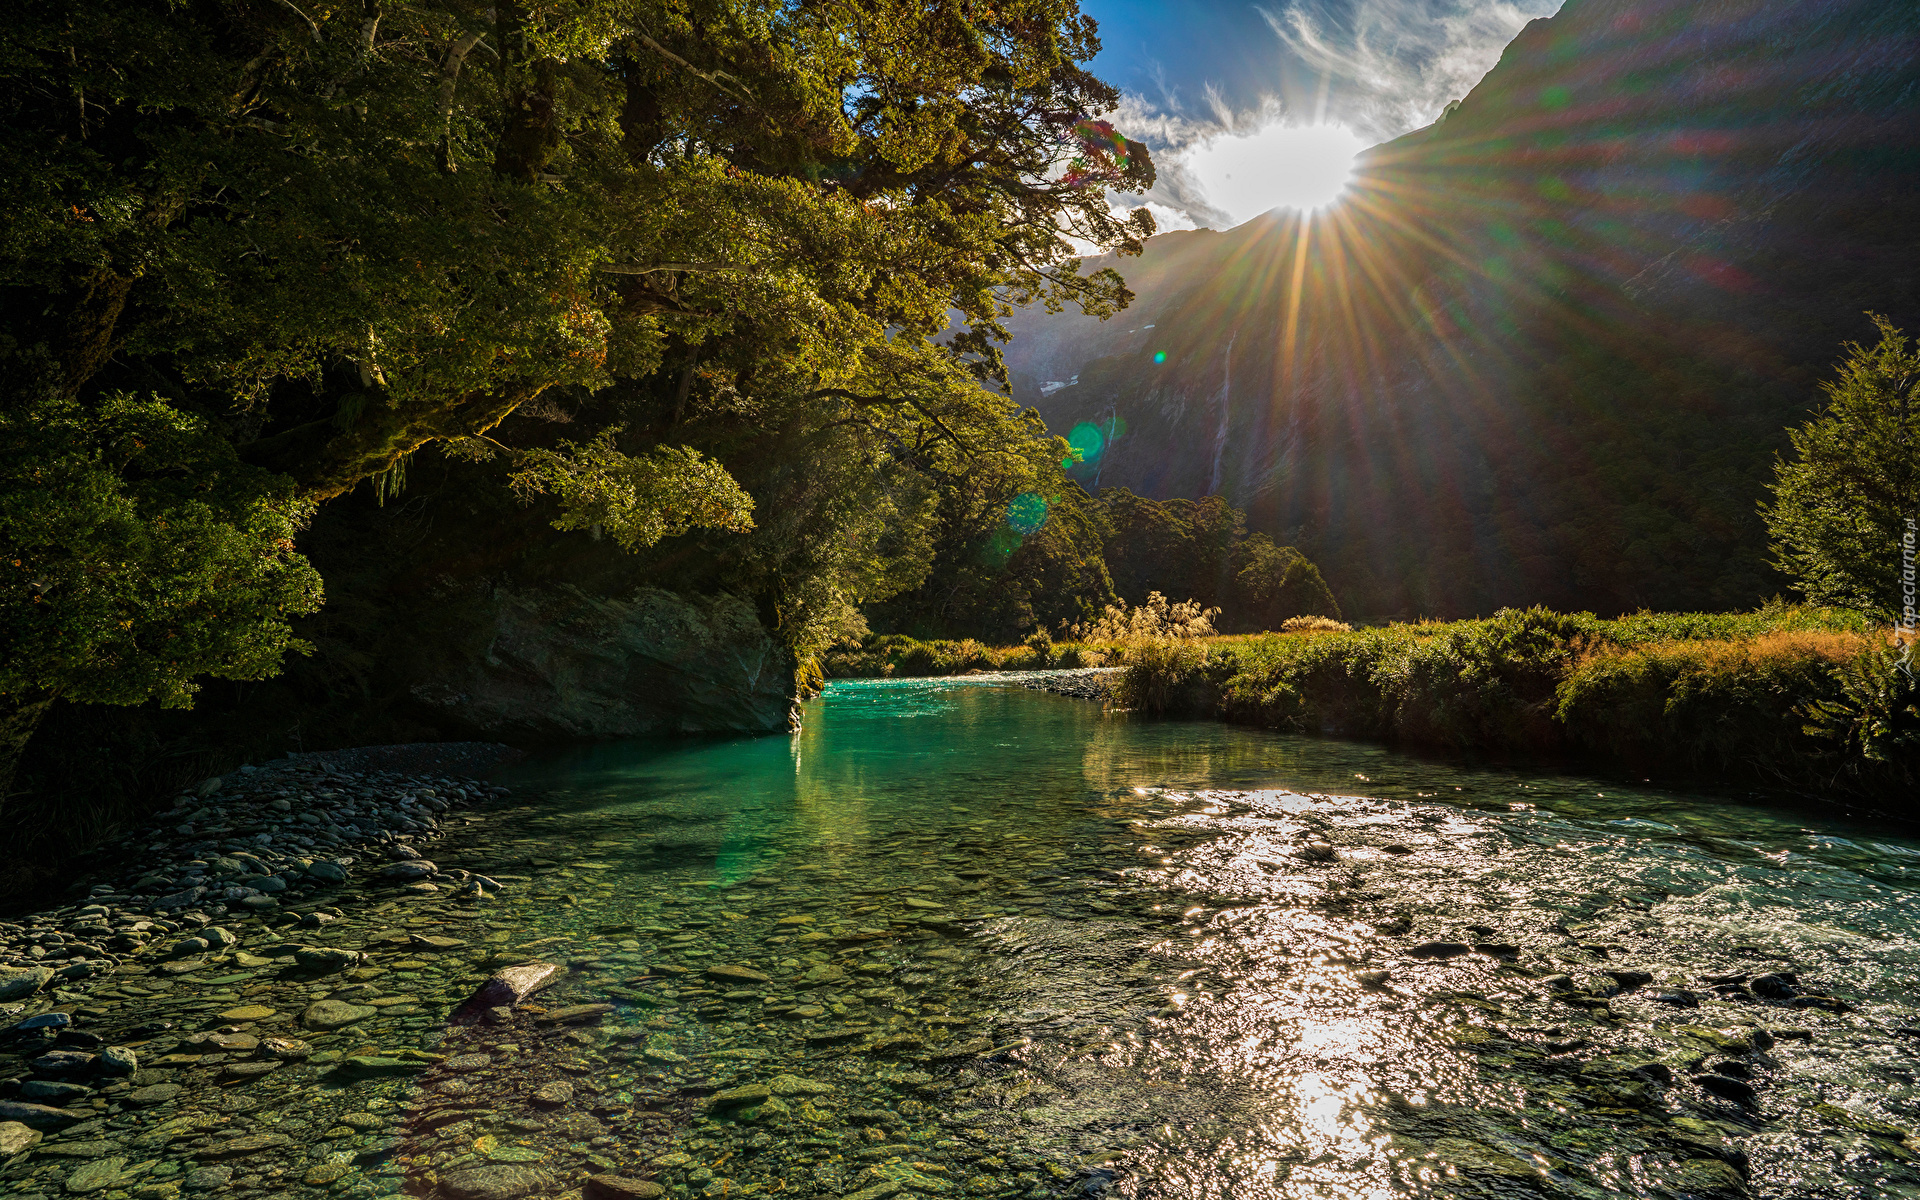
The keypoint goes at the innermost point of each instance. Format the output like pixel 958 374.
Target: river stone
pixel 19 984
pixel 556 1094
pixel 498 1181
pixel 63 1062
pixel 326 958
pixel 333 1014
pixel 573 1013
pixel 48 1020
pixel 250 1070
pixel 100 1173
pixel 367 1065
pixel 1439 950
pixel 1372 979
pixel 245 1147
pixel 248 1012
pixel 40 1116
pixel 325 1173
pixel 285 1048
pixel 1772 987
pixel 117 1060
pixel 1737 1090
pixel 329 872
pixel 616 1187
pixel 434 942
pixel 158 1093
pixel 506 988
pixel 15 1137
pixel 746 1094
pixel 207 1179
pixel 46 1091
pixel 91 1148
pixel 794 1085
pixel 413 869
pixel 734 974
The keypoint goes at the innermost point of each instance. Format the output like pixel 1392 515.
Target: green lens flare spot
pixel 1159 356
pixel 1026 513
pixel 1089 439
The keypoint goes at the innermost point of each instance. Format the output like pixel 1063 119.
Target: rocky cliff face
pixel 1545 349
pixel 563 665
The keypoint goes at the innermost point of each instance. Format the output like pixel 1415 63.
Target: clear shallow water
pixel 964 939
pixel 1075 950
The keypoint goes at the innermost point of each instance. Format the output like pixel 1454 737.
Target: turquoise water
pixel 1018 946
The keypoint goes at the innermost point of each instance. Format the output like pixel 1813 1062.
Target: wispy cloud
pixel 1378 67
pixel 1389 66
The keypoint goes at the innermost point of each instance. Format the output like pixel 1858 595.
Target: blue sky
pixel 1209 71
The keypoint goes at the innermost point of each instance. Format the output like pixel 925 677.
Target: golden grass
pixel 1779 646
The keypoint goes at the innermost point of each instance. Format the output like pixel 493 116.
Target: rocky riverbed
pixel 1092 683
pixel 789 967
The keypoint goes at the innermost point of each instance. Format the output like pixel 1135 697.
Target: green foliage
pixel 635 500
pixel 726 233
pixel 1873 717
pixel 138 553
pixel 1718 704
pixel 990 580
pixel 1846 502
pixel 1277 584
pixel 1805 696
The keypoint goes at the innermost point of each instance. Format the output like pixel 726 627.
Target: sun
pixel 1300 167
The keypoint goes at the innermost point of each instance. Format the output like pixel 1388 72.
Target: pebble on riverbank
pixel 248 844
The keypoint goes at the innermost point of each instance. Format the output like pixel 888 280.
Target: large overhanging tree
pixel 333 234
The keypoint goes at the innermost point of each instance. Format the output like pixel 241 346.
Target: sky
pixel 1218 88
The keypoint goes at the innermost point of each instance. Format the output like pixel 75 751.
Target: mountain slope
pixel 1545 349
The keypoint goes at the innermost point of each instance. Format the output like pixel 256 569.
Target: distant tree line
pixel 1010 566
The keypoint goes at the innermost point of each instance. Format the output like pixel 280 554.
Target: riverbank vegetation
pixel 1787 695
pixel 1802 696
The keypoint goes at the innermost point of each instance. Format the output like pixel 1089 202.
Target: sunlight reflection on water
pixel 1185 993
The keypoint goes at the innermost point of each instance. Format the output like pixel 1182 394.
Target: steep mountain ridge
pixel 1544 350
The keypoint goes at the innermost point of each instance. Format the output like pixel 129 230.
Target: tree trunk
pixel 529 87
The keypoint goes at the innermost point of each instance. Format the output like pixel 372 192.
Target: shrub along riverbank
pixel 1789 696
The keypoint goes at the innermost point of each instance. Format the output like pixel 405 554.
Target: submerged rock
pixel 617 1187
pixel 1439 950
pixel 333 1014
pixel 506 988
pixel 496 1181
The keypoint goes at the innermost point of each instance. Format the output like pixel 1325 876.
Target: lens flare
pixel 1089 439
pixel 1026 513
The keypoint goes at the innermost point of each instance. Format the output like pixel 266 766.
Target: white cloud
pixel 1391 65
pixel 1383 67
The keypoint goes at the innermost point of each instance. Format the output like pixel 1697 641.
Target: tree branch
pixel 650 268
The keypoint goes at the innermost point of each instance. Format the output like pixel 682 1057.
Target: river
pixel 961 938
